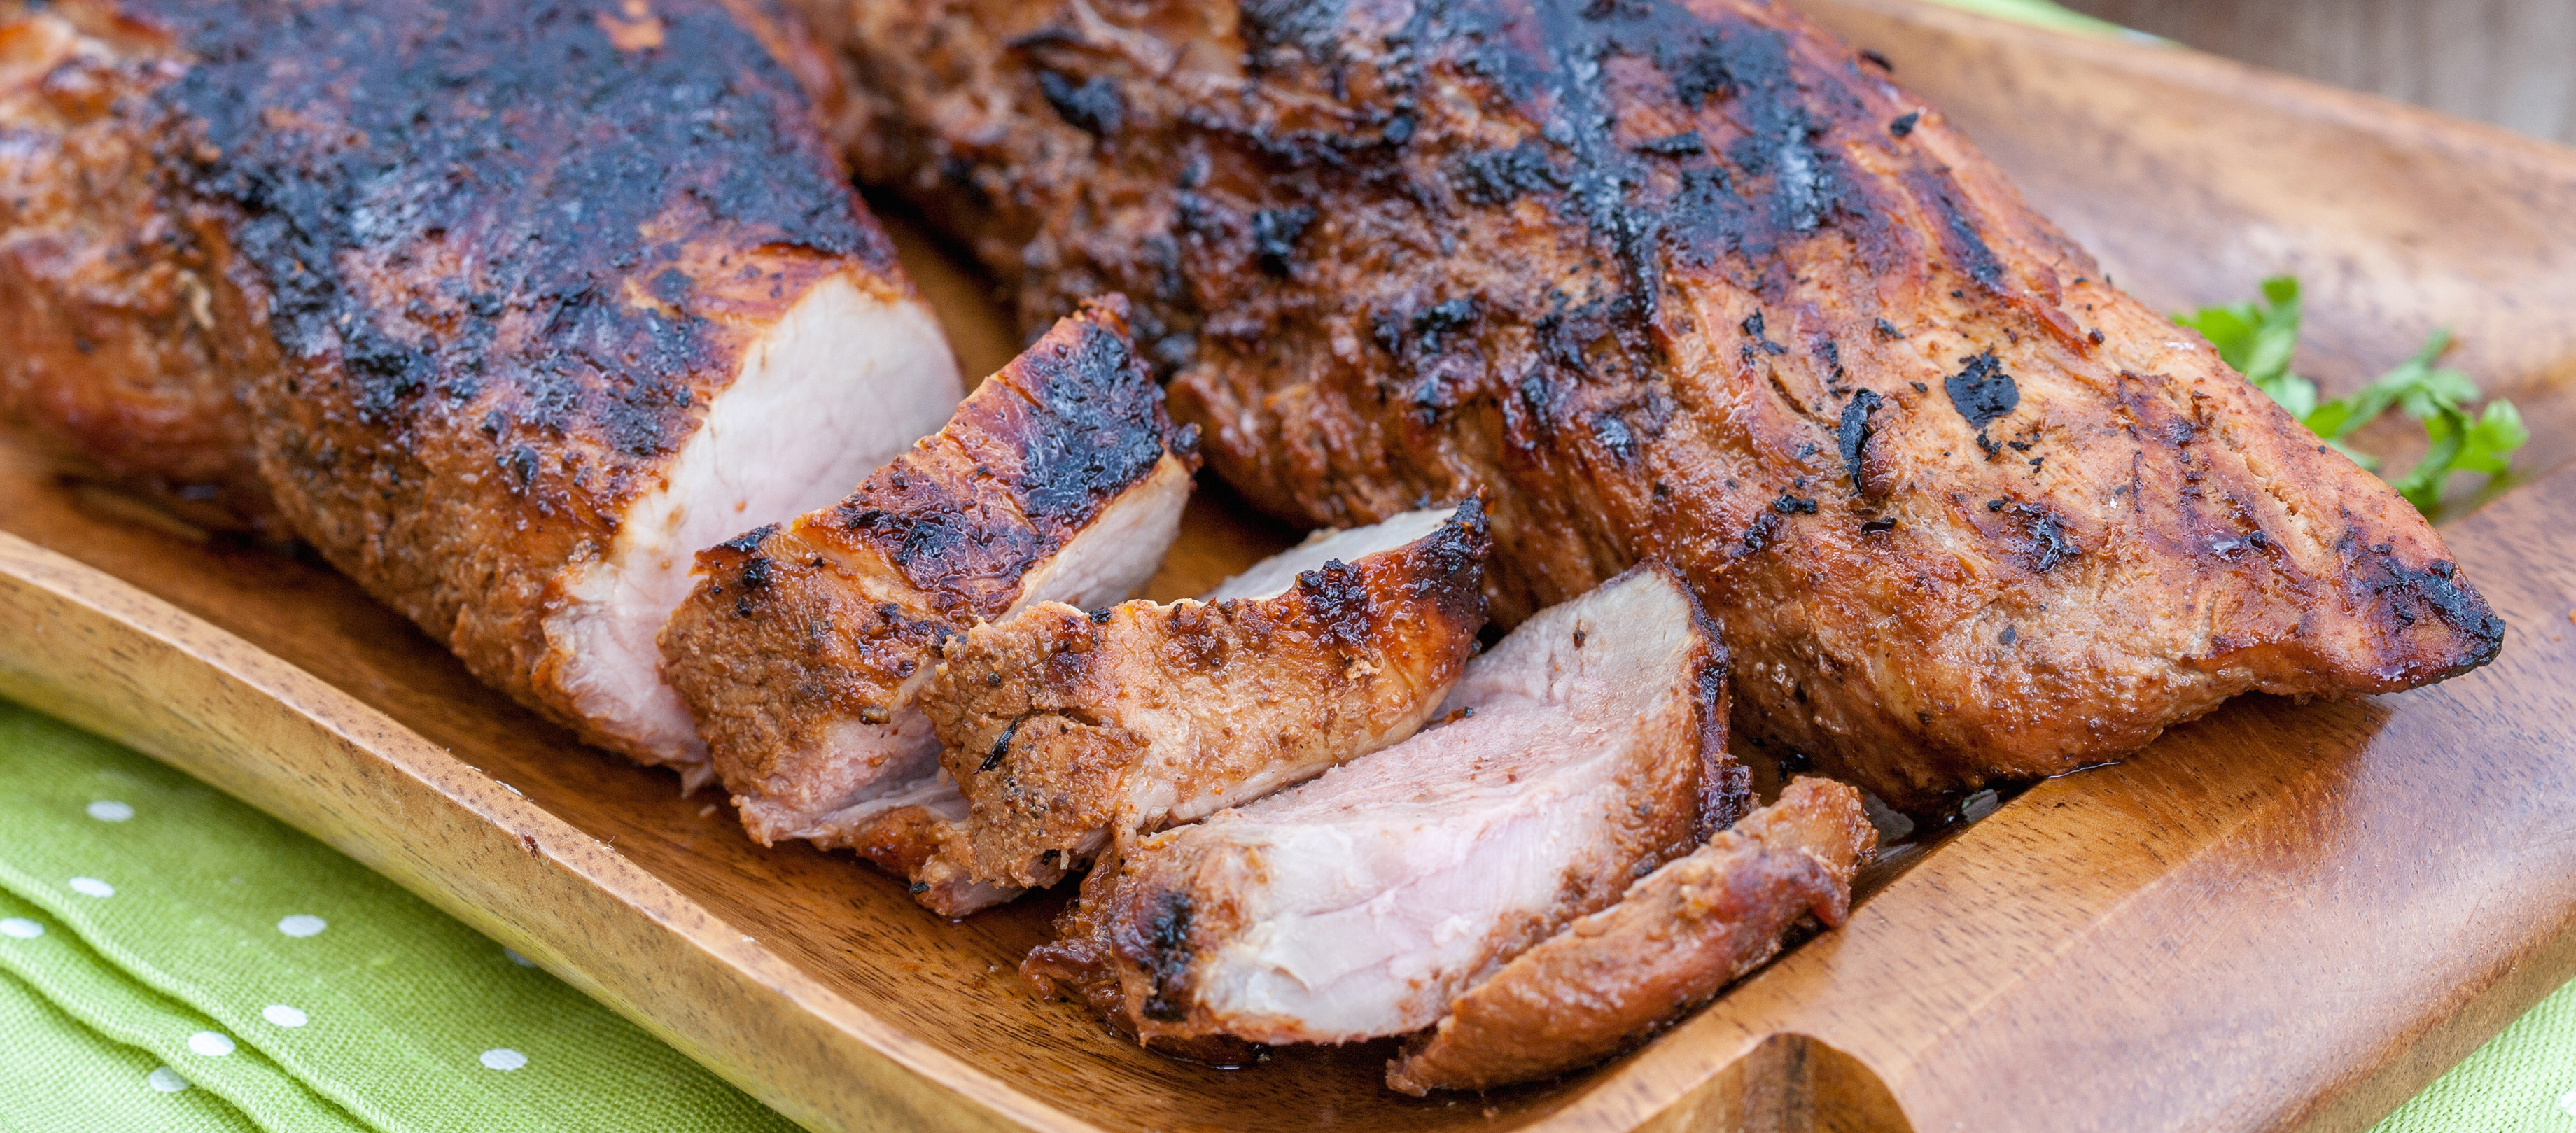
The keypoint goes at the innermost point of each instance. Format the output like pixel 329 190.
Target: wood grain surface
pixel 2279 917
pixel 2500 61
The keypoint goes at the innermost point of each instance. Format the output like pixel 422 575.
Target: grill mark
pixel 1852 435
pixel 1167 956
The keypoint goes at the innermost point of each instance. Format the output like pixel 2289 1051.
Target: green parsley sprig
pixel 2258 339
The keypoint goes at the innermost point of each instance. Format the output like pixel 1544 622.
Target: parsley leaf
pixel 2259 338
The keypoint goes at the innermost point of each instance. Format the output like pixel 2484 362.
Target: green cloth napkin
pixel 2522 1081
pixel 171 959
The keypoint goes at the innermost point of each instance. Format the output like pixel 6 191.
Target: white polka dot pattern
pixel 302 925
pixel 91 887
pixel 504 1058
pixel 282 1015
pixel 20 928
pixel 211 1044
pixel 165 1080
pixel 110 810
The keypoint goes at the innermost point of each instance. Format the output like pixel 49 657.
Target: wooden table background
pixel 2510 62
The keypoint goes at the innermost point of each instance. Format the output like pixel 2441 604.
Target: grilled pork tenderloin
pixel 125 345
pixel 518 305
pixel 1678 279
pixel 1588 750
pixel 1610 980
pixel 1067 729
pixel 804 647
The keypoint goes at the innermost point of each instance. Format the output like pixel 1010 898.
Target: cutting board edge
pixel 90 642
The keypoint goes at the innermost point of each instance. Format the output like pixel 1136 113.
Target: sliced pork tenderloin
pixel 805 645
pixel 923 834
pixel 1609 980
pixel 1067 729
pixel 1588 750
pixel 507 351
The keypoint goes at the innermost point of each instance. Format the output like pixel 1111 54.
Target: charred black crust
pixel 1308 27
pixel 345 132
pixel 1001 746
pixel 1338 602
pixel 750 541
pixel 1449 564
pixel 1755 166
pixel 1092 106
pixel 1157 941
pixel 1067 427
pixel 1444 570
pixel 1981 391
pixel 1765 169
pixel 1101 427
pixel 2403 596
pixel 1960 239
pixel 1688 143
pixel 1275 233
pixel 1501 176
pixel 2037 535
pixel 1851 436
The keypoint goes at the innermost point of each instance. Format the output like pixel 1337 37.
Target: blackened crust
pixel 502 257
pixel 1080 964
pixel 343 134
pixel 1656 278
pixel 1060 432
pixel 2402 598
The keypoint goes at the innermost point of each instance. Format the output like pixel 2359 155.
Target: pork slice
pixel 507 352
pixel 767 449
pixel 1609 980
pixel 804 646
pixel 1067 728
pixel 927 839
pixel 1588 751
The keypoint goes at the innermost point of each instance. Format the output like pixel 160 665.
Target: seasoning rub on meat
pixel 1610 980
pixel 1588 750
pixel 1068 730
pixel 512 307
pixel 804 646
pixel 1683 280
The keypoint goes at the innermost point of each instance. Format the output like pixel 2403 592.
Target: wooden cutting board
pixel 2279 917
